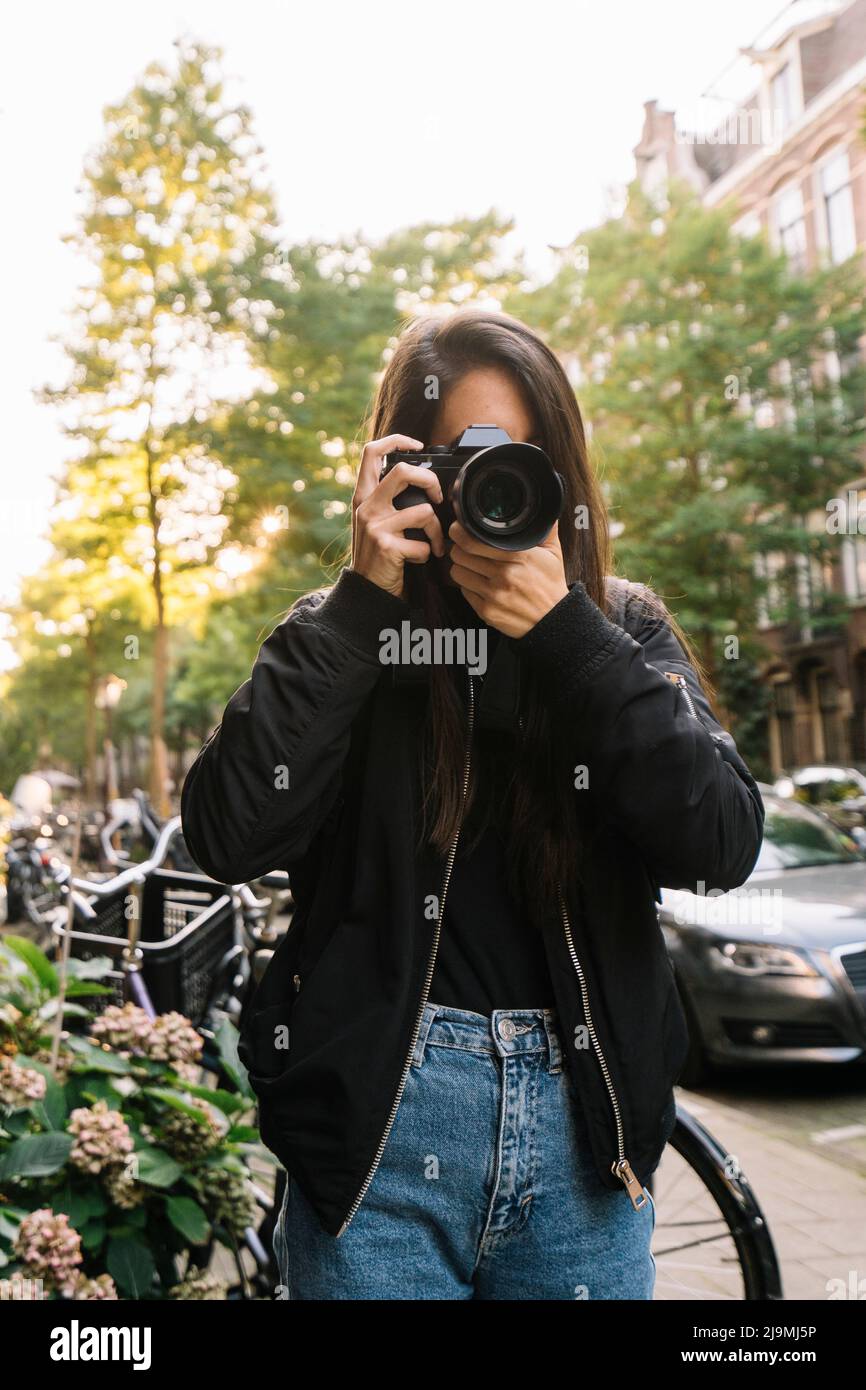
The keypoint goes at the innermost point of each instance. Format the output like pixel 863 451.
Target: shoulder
pixel 634 606
pixel 308 603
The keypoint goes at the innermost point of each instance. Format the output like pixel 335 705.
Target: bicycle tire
pixel 737 1203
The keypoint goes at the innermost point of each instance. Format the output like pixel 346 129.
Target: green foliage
pixel 219 380
pixel 142 1216
pixel 710 451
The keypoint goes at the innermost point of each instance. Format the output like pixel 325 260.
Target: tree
pixel 73 627
pixel 174 200
pixel 327 314
pixel 701 364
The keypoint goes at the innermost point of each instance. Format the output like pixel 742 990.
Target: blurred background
pixel 223 222
pixel 220 218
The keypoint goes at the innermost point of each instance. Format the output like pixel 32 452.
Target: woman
pixel 469 1099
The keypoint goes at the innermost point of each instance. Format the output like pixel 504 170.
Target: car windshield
pixel 797 838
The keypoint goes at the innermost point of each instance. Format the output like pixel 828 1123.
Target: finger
pixel 371 460
pixel 479 563
pixel 460 536
pixel 413 552
pixel 403 476
pixel 470 581
pixel 423 518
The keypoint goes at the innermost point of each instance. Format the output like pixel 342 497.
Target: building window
pixel 771 567
pixel 790 225
pixel 782 97
pixel 837 207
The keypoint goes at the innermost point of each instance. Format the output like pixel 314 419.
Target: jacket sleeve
pixel 659 766
pixel 266 779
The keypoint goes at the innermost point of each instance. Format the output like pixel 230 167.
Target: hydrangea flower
pixel 19 1086
pixel 49 1249
pixel 101 1287
pixel 199 1284
pixel 127 1029
pixel 102 1138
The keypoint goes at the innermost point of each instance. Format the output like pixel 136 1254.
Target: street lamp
pixel 108 693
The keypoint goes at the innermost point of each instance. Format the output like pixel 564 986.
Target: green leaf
pixel 51 1110
pixel 92 1235
pixel 79 988
pixel 36 960
pixel 82 1207
pixel 130 1265
pixel 9 1224
pixel 242 1134
pixel 35 1156
pixel 175 1100
pixel 187 1217
pixel 227 1047
pixel 99 1088
pixel 96 1059
pixel 227 1101
pixel 155 1167
pixel 19 1121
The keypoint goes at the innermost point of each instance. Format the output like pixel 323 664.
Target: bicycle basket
pixel 187 927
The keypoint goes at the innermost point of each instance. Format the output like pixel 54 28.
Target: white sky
pixel 373 115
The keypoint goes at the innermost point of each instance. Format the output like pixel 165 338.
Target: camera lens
pixel 501 497
pixel 508 495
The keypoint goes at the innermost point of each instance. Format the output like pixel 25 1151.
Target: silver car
pixel 775 971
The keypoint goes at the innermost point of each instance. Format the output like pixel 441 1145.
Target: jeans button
pixel 507 1030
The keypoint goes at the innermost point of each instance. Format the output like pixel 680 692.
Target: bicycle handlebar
pixel 136 873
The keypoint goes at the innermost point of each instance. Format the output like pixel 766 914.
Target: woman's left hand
pixel 510 590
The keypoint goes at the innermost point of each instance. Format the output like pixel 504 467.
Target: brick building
pixel 790 158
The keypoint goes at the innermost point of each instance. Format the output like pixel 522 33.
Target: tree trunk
pixel 90 713
pixel 158 751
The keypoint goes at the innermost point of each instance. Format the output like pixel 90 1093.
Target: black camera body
pixel 506 494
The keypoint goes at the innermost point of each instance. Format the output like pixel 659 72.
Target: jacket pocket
pixel 265 1044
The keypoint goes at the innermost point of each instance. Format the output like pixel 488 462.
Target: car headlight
pixel 749 958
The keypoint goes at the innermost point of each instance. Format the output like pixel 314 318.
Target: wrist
pixel 572 640
pixel 357 609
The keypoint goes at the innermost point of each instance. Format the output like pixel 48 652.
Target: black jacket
pixel 314 769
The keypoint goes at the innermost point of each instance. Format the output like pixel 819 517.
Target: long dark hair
pixel 538 800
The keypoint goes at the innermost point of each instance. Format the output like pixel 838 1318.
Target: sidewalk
pixel 815 1205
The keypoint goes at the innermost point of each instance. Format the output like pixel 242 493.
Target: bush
pixel 120 1169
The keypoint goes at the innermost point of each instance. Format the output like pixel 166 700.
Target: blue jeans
pixel 486 1188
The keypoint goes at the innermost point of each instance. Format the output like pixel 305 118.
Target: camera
pixel 505 494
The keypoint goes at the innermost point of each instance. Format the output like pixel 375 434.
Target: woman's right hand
pixel 379 547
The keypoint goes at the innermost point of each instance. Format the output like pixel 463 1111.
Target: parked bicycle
pixel 180 942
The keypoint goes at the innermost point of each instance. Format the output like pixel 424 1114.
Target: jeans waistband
pixel 505 1032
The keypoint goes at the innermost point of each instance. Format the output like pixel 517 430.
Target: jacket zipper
pixel 683 686
pixel 621 1168
pixel 428 978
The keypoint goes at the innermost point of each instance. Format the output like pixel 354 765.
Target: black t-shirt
pixel 490 955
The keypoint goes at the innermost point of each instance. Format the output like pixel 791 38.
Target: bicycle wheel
pixel 711 1238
